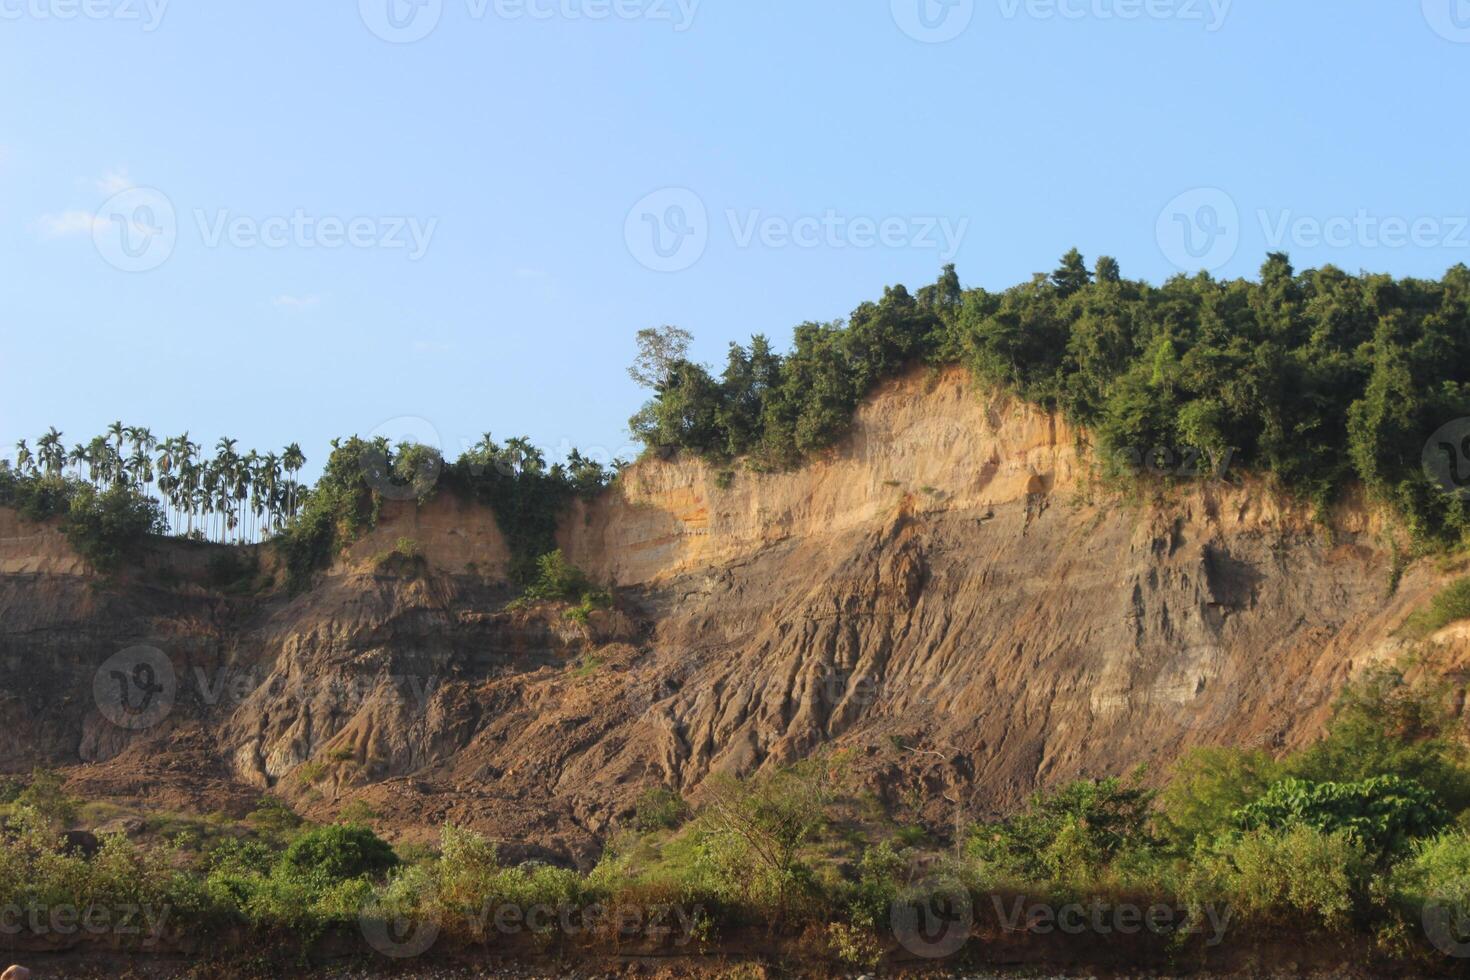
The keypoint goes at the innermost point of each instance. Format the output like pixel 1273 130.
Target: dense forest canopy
pixel 1317 380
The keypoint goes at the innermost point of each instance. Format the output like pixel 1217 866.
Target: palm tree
pixel 118 432
pixel 51 452
pixel 79 457
pixel 292 460
pixel 23 460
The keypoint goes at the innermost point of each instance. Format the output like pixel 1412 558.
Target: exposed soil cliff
pixel 948 594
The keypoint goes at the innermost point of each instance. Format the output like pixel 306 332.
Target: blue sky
pixel 500 180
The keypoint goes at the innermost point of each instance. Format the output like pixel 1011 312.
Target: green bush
pixel 1071 834
pixel 47 796
pixel 1384 726
pixel 1451 605
pixel 338 852
pixel 1205 789
pixel 1436 873
pixel 558 580
pixel 659 808
pixel 469 877
pixel 1385 813
pixel 1298 871
pixel 110 525
pixel 753 836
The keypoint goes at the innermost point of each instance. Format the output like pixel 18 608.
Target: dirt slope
pixel 947 595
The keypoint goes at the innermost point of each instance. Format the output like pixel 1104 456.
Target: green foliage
pixel 1436 872
pixel 272 816
pixel 46 795
pixel 1072 833
pixel 1384 726
pixel 1318 378
pixel 755 832
pixel 338 852
pixel 1205 789
pixel 778 409
pixel 342 506
pixel 557 580
pixel 1383 814
pixel 527 496
pixel 659 808
pixel 469 877
pixel 1451 605
pixel 881 877
pixel 1300 870
pixel 105 526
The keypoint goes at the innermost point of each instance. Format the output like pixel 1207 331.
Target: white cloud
pixel 288 302
pixel 67 224
pixel 75 221
pixel 114 182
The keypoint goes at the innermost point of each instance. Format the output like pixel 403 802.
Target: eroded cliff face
pixel 948 595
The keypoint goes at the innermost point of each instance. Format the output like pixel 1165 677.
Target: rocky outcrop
pixel 948 595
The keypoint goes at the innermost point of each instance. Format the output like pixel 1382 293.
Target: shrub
pixel 108 526
pixel 557 580
pixel 659 809
pixel 1384 726
pixel 1301 870
pixel 1434 879
pixel 855 946
pixel 1451 605
pixel 881 877
pixel 47 796
pixel 756 831
pixel 1206 787
pixel 469 877
pixel 338 852
pixel 1384 813
pixel 1070 834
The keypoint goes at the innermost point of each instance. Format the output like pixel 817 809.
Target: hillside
pixel 947 593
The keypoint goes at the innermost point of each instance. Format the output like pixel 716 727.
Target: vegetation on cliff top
pixel 1318 379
